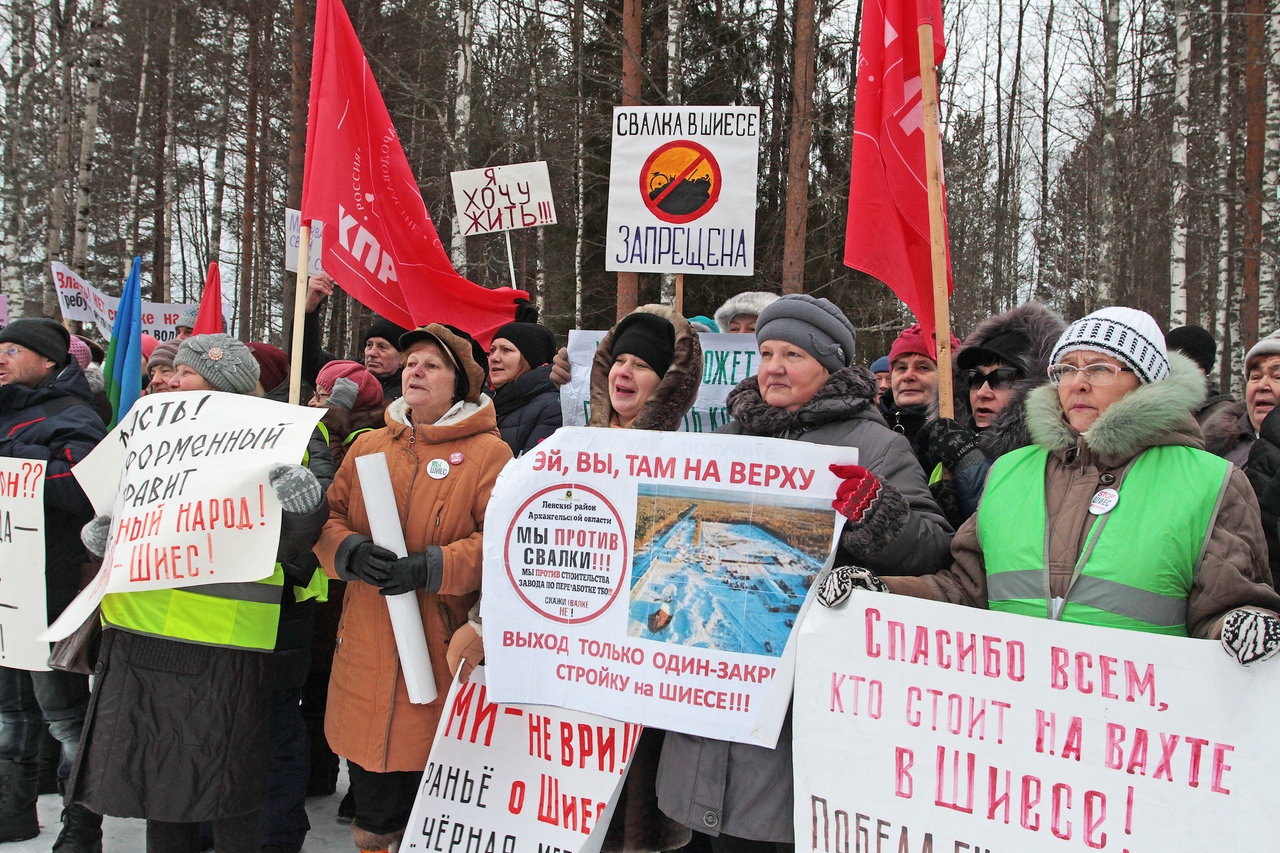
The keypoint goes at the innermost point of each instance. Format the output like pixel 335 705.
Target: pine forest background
pixel 1096 151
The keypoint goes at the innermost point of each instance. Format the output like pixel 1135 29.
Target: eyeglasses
pixel 998 380
pixel 1095 374
pixel 11 352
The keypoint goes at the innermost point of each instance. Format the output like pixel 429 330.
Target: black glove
pixel 946 441
pixel 365 561
pixel 423 570
pixel 839 582
pixel 301 568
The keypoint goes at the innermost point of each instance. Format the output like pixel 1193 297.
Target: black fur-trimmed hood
pixel 677 390
pixel 1042 326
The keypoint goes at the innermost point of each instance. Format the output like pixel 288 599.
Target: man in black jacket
pixel 381 342
pixel 46 414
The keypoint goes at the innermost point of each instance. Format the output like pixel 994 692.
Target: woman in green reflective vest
pixel 1138 527
pixel 178 722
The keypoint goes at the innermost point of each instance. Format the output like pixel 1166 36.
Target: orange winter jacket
pixel 369 719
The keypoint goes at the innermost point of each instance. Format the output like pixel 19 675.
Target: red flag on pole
pixel 209 317
pixel 379 242
pixel 888 231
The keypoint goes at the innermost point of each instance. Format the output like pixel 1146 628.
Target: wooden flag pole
pixel 299 314
pixel 937 230
pixel 680 293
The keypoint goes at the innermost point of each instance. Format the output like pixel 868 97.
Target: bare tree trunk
pixel 778 98
pixel 1107 246
pixel 579 156
pixel 1042 232
pixel 675 84
pixel 160 160
pixel 629 282
pixel 220 172
pixel 299 92
pixel 797 217
pixel 535 108
pixel 245 306
pixel 1181 177
pixel 1267 279
pixel 170 158
pixel 135 156
pixel 463 58
pixel 1255 99
pixel 88 134
pixel 1222 320
pixel 63 19
pixel 18 78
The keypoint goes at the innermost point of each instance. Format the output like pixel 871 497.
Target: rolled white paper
pixel 406 618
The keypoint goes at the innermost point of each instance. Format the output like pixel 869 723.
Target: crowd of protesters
pixel 996 506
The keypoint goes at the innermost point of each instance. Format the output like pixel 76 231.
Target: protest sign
pixel 184 479
pixel 23 614
pixel 503 198
pixel 726 361
pixel 293 239
pixel 682 190
pixel 80 300
pixel 920 725
pixel 655 577
pixel 518 778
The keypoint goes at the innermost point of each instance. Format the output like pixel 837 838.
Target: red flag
pixel 209 317
pixel 379 242
pixel 888 231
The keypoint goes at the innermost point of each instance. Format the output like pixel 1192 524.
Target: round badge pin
pixel 1104 501
pixel 455 457
pixel 437 469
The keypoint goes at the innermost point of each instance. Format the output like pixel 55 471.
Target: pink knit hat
pixel 80 352
pixel 369 389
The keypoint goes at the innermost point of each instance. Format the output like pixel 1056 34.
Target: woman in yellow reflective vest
pixel 1139 527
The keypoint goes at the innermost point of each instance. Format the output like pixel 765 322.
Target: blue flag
pixel 123 364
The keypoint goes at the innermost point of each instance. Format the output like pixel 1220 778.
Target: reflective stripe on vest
pixel 1143 564
pixel 237 615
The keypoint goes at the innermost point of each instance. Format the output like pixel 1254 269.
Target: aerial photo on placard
pixel 717 569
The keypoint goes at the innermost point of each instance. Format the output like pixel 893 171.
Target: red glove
pixel 858 491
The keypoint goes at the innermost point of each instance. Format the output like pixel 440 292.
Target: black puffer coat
pixel 55 422
pixel 1264 475
pixel 528 409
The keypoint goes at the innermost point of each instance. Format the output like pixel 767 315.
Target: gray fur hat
pixel 817 326
pixel 224 362
pixel 748 302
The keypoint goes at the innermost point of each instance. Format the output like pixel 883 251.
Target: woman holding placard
pixel 444 454
pixel 178 725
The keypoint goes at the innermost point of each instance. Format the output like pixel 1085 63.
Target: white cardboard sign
pixel 726 361
pixel 503 198
pixel 682 190
pixel 518 778
pixel 293 239
pixel 80 300
pixel 655 577
pixel 184 479
pixel 923 724
pixel 23 613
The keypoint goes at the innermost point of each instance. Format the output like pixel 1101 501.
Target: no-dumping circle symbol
pixel 680 181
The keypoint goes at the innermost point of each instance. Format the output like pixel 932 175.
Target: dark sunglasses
pixel 999 379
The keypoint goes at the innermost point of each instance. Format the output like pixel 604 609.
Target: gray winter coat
pixel 718 787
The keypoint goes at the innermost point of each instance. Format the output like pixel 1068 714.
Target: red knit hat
pixel 368 388
pixel 912 341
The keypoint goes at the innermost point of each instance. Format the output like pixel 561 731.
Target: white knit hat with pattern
pixel 1128 334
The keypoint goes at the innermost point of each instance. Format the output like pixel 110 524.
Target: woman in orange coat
pixel 444 454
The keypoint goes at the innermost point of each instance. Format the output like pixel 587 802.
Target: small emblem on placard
pixel 437 469
pixel 456 457
pixel 1104 501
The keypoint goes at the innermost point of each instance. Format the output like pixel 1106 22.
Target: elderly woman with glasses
pixel 1004 359
pixel 1115 515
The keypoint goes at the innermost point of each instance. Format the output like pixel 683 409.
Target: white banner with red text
pixel 518 778
pixel 655 577
pixel 920 725
pixel 23 605
pixel 80 300
pixel 726 361
pixel 184 479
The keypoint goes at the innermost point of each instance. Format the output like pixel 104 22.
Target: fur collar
pixel 1144 417
pixel 463 419
pixel 846 393
pixel 677 390
pixel 1226 428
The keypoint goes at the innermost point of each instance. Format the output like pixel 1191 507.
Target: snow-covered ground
pixel 129 836
pixel 739 589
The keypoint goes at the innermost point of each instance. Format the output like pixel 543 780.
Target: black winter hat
pixel 389 331
pixel 1011 348
pixel 535 342
pixel 1195 343
pixel 47 337
pixel 646 336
